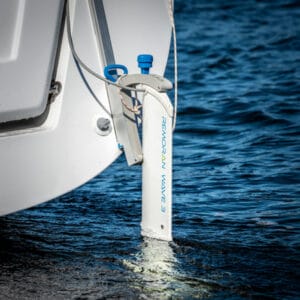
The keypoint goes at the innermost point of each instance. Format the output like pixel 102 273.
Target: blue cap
pixel 145 62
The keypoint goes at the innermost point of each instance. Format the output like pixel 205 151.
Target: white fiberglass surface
pixel 29 32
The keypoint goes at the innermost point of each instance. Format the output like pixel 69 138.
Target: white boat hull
pixel 40 163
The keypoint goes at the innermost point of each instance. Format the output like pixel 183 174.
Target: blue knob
pixel 110 71
pixel 145 62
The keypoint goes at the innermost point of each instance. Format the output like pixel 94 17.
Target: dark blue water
pixel 236 180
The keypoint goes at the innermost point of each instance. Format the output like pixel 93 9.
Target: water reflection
pixel 155 257
pixel 158 274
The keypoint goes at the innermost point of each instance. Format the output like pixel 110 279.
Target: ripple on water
pixel 236 180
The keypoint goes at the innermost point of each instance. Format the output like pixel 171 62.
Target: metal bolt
pixel 104 126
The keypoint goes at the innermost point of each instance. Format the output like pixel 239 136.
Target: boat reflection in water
pixel 158 273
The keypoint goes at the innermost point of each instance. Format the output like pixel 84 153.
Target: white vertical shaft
pixel 157 166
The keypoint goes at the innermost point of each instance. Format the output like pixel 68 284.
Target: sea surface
pixel 236 180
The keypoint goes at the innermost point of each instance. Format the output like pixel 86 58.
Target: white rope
pixel 136 108
pixel 171 15
pixel 83 65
